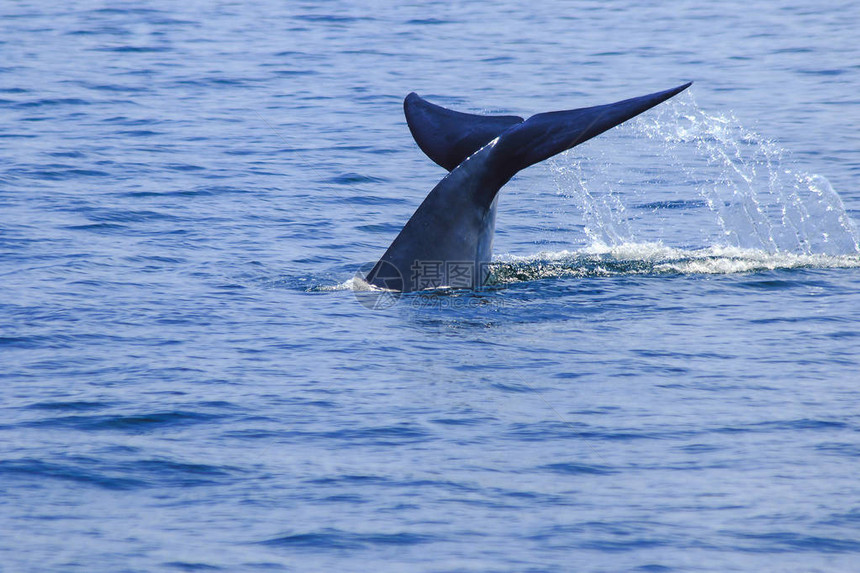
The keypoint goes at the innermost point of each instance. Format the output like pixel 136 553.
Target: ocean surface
pixel 663 374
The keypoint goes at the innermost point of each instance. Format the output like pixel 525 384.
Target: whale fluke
pixel 447 136
pixel 547 134
pixel 448 241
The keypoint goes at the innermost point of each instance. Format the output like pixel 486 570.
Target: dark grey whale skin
pixel 455 224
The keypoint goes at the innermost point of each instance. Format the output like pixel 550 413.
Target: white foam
pixel 655 258
pixel 356 284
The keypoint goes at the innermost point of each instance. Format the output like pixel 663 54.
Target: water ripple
pixel 127 423
pixel 328 539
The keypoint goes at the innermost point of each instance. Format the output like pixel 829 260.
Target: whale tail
pixel 454 225
pixel 449 137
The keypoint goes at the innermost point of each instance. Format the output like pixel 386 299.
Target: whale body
pixel 448 241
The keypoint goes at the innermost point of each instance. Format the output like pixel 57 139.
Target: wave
pixel 599 260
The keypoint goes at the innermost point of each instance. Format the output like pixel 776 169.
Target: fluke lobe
pixel 448 241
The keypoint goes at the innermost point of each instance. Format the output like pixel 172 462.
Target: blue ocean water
pixel 662 376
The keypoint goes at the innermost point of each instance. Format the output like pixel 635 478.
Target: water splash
pixel 747 190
